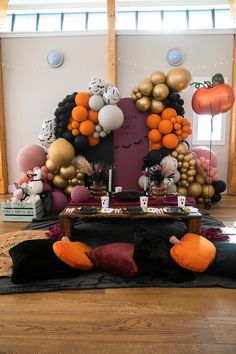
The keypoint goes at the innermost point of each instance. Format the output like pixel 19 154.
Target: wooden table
pixel 68 216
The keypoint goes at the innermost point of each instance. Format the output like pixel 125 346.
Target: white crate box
pixel 21 211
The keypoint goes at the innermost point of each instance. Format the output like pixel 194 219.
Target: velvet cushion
pixel 73 254
pixel 152 255
pixel 35 260
pixel 115 258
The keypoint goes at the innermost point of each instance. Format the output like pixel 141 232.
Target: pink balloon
pixel 31 156
pixel 59 202
pixel 205 152
pixel 50 176
pixel 80 194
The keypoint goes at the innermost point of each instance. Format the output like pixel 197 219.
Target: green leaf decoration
pixel 217 79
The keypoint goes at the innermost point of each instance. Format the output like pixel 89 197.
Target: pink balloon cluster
pixel 46 175
pixel 210 172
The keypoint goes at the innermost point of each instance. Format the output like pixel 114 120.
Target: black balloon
pixel 68 136
pixel 81 143
pixel 216 198
pixel 219 186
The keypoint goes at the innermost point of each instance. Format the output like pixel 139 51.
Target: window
pixel 203 133
pixel 200 19
pixel 49 22
pixel 25 23
pixel 74 22
pixel 149 20
pixel 126 21
pixel 174 20
pixel 97 21
pixel 223 19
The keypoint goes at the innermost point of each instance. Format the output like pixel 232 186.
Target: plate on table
pixel 128 196
pixel 88 210
pixel 176 210
pixel 106 210
pixel 133 211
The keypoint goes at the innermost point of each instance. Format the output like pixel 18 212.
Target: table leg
pixel 194 226
pixel 66 225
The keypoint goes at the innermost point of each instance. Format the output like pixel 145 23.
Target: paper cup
pixel 181 201
pixel 104 201
pixel 143 201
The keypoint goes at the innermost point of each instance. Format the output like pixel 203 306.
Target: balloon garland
pixel 84 118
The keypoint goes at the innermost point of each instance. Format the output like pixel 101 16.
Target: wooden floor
pixel 116 321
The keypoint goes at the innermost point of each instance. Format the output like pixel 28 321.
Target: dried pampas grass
pixel 83 165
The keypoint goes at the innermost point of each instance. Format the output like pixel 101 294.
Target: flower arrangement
pixel 100 171
pixel 154 173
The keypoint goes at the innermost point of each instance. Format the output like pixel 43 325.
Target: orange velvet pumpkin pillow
pixel 73 254
pixel 193 252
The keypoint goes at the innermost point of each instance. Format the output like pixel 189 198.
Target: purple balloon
pixel 80 194
pixel 59 202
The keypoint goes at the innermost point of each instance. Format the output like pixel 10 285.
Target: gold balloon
pixel 74 181
pixel 158 77
pixel 59 181
pixel 194 190
pixel 157 106
pixel 51 166
pixel 138 95
pixel 183 176
pixel 182 191
pixel 80 175
pixel 188 157
pixel 200 179
pixel 185 183
pixel 191 173
pixel 180 157
pixel 145 87
pixel 133 96
pixel 68 172
pixel 68 190
pixel 80 182
pixel 135 90
pixel 61 152
pixel 160 92
pixel 190 179
pixel 178 79
pixel 179 164
pixel 143 104
pixel 183 170
pixel 207 191
pixel 192 162
pixel 185 164
pixel 182 148
pixel 174 153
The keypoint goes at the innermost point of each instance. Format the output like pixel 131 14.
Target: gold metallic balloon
pixel 180 157
pixel 190 179
pixel 74 181
pixel 179 164
pixel 145 87
pixel 143 104
pixel 138 95
pixel 183 176
pixel 51 166
pixel 174 153
pixel 160 92
pixel 61 152
pixel 80 182
pixel 182 148
pixel 182 191
pixel 68 190
pixel 183 170
pixel 158 77
pixel 133 96
pixel 194 189
pixel 178 79
pixel 80 175
pixel 68 172
pixel 192 162
pixel 184 183
pixel 59 181
pixel 191 173
pixel 135 90
pixel 185 164
pixel 200 179
pixel 207 191
pixel 188 157
pixel 157 106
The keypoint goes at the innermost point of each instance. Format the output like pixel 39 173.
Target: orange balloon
pixel 170 141
pixel 93 141
pixel 179 119
pixel 177 126
pixel 93 116
pixel 82 99
pixel 75 132
pixel 87 127
pixel 79 113
pixel 168 113
pixel 156 146
pixel 153 121
pixel 165 126
pixel 154 136
pixel 75 124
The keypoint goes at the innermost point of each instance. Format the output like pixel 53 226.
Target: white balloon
pixel 103 134
pixel 96 102
pixel 176 176
pixel 141 182
pixel 98 128
pixel 96 135
pixel 96 86
pixel 169 165
pixel 110 117
pixel 111 95
pixel 172 189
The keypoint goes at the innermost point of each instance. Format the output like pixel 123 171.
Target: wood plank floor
pixel 116 321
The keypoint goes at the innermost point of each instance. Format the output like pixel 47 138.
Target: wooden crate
pixel 21 211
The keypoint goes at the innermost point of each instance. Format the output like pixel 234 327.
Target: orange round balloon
pixel 168 113
pixel 155 146
pixel 153 121
pixel 87 127
pixel 170 141
pixel 93 141
pixel 154 136
pixel 93 116
pixel 79 113
pixel 75 132
pixel 82 99
pixel 165 126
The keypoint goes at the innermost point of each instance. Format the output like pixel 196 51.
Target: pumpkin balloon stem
pixel 217 79
pixel 207 84
pixel 197 85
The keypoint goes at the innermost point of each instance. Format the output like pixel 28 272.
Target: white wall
pixel 32 89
